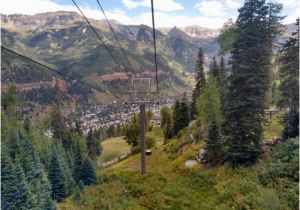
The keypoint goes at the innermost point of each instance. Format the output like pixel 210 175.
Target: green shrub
pixel 282 172
pixel 135 149
pixel 150 142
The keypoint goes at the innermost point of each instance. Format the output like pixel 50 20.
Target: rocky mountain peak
pixel 178 33
pixel 41 21
pixel 201 32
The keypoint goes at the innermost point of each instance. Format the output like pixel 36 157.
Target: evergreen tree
pixel 214 70
pixel 200 82
pixel 27 124
pixel 19 146
pixel 58 123
pixel 181 115
pixel 14 188
pixel 99 147
pixel 223 79
pixel 213 141
pixel 34 174
pixel 176 117
pixel 184 118
pixel 168 129
pixel 249 81
pixel 164 112
pixel 9 101
pixel 56 177
pixel 78 161
pixel 91 145
pixel 132 132
pixel 66 168
pixel 78 128
pixel 166 117
pixel 289 86
pixel 88 172
pixel 13 144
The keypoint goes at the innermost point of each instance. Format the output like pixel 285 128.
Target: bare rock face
pixel 50 20
pixel 177 32
pixel 190 163
pixel 192 31
pixel 201 156
pixel 201 32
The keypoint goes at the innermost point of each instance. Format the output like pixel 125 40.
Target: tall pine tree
pixel 213 141
pixel 35 175
pixel 21 148
pixel 200 82
pixel 14 188
pixel 249 81
pixel 176 117
pixel 66 167
pixel 223 79
pixel 88 172
pixel 78 161
pixel 58 123
pixel 56 177
pixel 214 70
pixel 91 145
pixel 181 116
pixel 289 85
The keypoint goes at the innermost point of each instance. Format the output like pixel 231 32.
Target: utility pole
pixel 142 105
pixel 141 87
pixel 143 139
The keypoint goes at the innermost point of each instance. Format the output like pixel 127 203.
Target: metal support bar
pixel 143 140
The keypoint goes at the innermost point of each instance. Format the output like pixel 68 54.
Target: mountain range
pixel 65 41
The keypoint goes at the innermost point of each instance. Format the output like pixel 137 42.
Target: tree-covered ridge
pixel 38 171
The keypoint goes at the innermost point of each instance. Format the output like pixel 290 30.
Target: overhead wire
pixel 154 45
pixel 58 72
pixel 113 32
pixel 99 37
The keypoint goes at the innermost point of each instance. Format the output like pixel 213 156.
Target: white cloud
pixel 232 4
pixel 291 18
pixel 211 8
pixel 289 3
pixel 130 4
pixel 41 6
pixel 165 20
pixel 292 10
pixel 30 7
pixel 118 11
pixel 161 5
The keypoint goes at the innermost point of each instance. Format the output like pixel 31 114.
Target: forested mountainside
pixel 64 41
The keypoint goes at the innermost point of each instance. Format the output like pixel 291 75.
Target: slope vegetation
pixel 270 184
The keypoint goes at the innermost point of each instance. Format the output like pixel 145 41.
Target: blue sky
pixel 168 13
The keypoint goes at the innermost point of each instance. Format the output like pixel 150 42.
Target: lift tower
pixel 142 95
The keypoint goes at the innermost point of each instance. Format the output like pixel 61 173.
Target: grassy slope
pixel 113 148
pixel 273 127
pixel 169 185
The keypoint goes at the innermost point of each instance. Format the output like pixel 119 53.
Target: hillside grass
pixel 113 148
pixel 270 184
pixel 273 127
